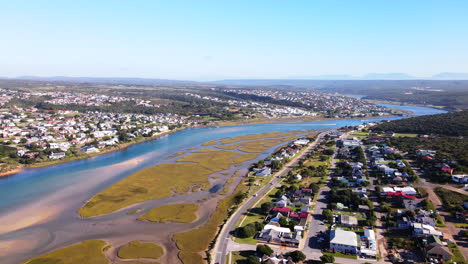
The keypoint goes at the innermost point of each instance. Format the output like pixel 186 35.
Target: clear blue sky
pixel 207 40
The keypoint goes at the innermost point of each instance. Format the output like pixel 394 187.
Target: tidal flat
pixel 146 205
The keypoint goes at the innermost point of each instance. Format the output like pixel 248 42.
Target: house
pixel 89 149
pixel 58 155
pixel 277 260
pixel 263 172
pixel 435 249
pixel 283 201
pixel 439 252
pixel 283 236
pixel 344 241
pixel 411 205
pixel 460 178
pixel 348 220
pixel 422 230
pixel 282 210
pixel 369 244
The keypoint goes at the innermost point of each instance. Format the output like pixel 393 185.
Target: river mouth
pixel 49 197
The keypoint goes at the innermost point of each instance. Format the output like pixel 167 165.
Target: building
pixel 369 244
pixel 58 155
pixel 348 220
pixel 344 241
pixel 263 172
pixel 460 178
pixel 283 236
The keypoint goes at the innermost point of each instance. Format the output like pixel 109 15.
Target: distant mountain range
pixel 292 80
pixel 107 80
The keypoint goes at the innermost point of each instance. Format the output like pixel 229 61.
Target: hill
pixel 449 124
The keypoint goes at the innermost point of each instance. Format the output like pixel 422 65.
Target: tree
pixel 327 259
pixel 328 215
pixel 283 222
pixel 315 187
pixel 263 250
pixel 297 256
pixel 246 231
pixel 252 260
pixel 266 207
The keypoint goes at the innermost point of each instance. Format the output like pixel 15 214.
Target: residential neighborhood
pixel 370 208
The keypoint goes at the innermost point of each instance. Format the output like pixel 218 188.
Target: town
pixel 353 198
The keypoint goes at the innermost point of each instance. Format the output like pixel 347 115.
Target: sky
pixel 221 39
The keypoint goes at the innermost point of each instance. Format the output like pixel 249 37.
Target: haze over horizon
pixel 209 40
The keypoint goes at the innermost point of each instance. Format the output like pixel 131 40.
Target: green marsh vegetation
pixel 138 249
pixel 182 213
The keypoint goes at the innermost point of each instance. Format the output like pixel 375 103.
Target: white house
pixel 344 241
pixel 460 178
pixel 58 155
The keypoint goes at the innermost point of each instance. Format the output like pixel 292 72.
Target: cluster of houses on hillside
pixel 31 131
pixel 332 105
pixel 265 109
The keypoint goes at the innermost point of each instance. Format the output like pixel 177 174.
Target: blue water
pixel 33 184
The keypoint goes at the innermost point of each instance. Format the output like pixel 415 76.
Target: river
pixel 49 187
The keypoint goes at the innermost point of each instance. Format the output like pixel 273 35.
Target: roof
pixel 343 237
pixel 348 220
pixel 440 250
pixel 282 209
pixel 277 228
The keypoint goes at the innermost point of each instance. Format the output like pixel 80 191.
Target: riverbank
pixel 87 156
pixel 438 107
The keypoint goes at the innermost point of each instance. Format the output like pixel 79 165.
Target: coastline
pixel 86 156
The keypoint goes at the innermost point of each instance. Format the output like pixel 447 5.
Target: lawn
pixel 90 251
pixel 340 255
pixel 137 249
pixel 182 213
pixel 240 257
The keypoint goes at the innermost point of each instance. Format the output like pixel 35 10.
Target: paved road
pixel 220 249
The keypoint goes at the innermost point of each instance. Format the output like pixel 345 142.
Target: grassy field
pixel 85 252
pixel 450 198
pixel 189 251
pixel 457 255
pixel 137 249
pixel 182 213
